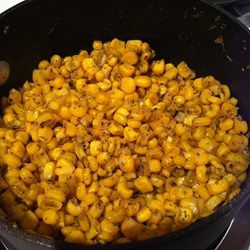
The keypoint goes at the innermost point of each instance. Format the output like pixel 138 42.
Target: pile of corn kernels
pixel 111 146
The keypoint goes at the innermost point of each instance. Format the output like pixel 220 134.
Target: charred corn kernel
pixel 143 81
pixel 214 100
pixel 27 176
pixel 132 207
pixel 148 103
pixel 157 205
pixel 18 149
pixel 84 222
pixel 240 126
pixel 219 187
pixel 201 159
pixel 126 70
pixel 80 83
pixel 220 135
pixel 90 198
pixel 101 98
pixel 131 228
pixel 144 214
pixel 64 112
pixel 201 173
pixel 223 150
pixel 56 153
pixel 141 150
pixel 180 129
pixel 58 82
pixel 158 67
pixel 208 144
pixel 109 227
pixel 103 157
pixel 143 184
pixel 128 85
pixel 93 163
pixel 56 194
pixel 3 132
pixel 9 119
pixel 91 233
pixel 50 217
pixel 127 164
pixel 92 89
pixel 55 106
pixel 231 179
pixel 78 111
pixel 93 188
pixel 105 85
pixel 170 206
pixel 198 84
pixel 157 180
pixel 122 111
pixel 29 221
pixel 112 61
pixel 70 129
pixel 115 129
pixel 95 148
pixel 100 75
pixel 121 119
pixel 213 112
pixel 64 166
pixel 7 198
pixel 202 121
pixel 55 60
pixel 171 73
pixel 88 63
pixel 133 123
pixel 67 229
pixel 95 210
pixel 45 134
pixel 153 143
pixel 203 192
pixel 75 236
pixel 183 70
pixel 12 161
pixel 87 176
pixel 117 94
pixel 124 191
pixel 10 136
pixel 179 160
pixel 134 45
pixel 154 165
pixel 130 134
pixel 213 202
pixel 116 215
pixel 189 93
pixel 179 100
pixel 97 45
pixel 226 124
pixel 43 64
pixel 73 208
pixel 130 57
pixel 81 191
pixel 185 215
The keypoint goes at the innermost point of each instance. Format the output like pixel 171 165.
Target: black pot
pixel 178 30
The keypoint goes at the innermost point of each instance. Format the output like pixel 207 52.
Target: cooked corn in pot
pixel 111 146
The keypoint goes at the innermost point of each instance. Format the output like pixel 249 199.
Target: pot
pixel 211 40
